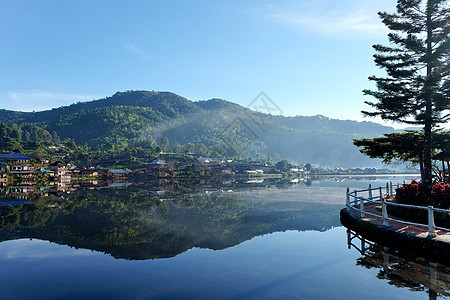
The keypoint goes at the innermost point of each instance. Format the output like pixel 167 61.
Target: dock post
pixel 384 214
pixel 361 206
pixel 391 191
pixel 433 276
pixel 370 192
pixel 349 239
pixel 385 261
pixel 348 197
pixel 431 229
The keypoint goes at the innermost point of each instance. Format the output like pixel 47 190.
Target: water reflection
pixel 400 269
pixel 146 221
pixel 276 241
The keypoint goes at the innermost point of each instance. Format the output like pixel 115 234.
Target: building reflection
pixel 400 269
pixel 15 195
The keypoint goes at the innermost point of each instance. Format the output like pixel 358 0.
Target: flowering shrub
pixel 415 194
pixel 440 195
pixel 412 194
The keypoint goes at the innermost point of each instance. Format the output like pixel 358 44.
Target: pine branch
pixel 417 9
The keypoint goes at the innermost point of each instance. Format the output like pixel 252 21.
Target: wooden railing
pixel 357 199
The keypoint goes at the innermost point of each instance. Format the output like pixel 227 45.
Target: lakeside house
pixel 254 172
pixel 61 171
pixel 16 196
pixel 59 168
pixel 88 172
pixel 17 163
pixel 158 164
pixel 206 161
pixel 159 168
pixel 116 173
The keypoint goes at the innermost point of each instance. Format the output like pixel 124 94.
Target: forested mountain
pixel 214 127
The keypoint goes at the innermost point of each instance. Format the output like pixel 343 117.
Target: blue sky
pixel 310 57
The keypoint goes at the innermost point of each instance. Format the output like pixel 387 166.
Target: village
pixel 28 171
pixel 21 175
pixel 15 167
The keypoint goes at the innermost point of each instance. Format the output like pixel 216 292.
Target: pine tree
pixel 416 89
pixel 402 147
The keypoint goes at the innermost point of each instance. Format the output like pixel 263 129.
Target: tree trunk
pixel 422 174
pixel 427 179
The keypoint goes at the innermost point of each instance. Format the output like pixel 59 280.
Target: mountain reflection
pixel 400 269
pixel 148 221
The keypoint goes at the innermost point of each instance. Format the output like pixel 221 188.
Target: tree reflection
pixel 135 222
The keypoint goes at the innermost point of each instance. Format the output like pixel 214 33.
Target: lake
pixel 251 240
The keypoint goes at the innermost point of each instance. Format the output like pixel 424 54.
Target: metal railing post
pixel 431 229
pixel 391 191
pixel 353 203
pixel 384 214
pixel 361 206
pixel 348 197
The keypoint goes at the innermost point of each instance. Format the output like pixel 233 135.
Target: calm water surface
pixel 273 242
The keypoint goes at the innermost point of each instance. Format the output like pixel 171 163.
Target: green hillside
pixel 214 127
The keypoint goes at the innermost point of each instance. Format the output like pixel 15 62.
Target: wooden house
pixel 116 173
pixel 158 164
pixel 17 163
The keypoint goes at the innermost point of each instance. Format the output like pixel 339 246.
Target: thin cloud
pixel 136 50
pixel 38 100
pixel 362 20
pixel 353 22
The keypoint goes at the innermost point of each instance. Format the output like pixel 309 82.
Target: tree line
pixel 416 87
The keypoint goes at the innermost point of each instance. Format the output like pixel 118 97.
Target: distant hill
pixel 212 127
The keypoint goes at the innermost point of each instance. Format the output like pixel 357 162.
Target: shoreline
pixel 436 249
pixel 369 175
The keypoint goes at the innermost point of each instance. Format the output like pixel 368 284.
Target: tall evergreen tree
pixel 402 147
pixel 416 89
